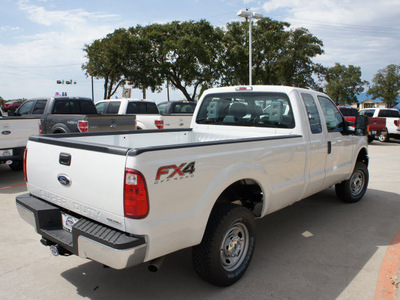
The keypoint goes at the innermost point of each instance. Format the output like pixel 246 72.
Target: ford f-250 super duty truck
pixel 122 199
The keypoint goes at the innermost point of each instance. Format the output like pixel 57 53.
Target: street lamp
pixel 248 15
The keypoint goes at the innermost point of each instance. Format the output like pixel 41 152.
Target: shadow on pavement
pixel 311 250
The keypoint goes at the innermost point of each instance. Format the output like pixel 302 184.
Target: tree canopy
pixel 386 85
pixel 344 83
pixel 195 55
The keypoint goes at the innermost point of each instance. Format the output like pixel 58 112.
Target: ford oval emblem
pixel 64 179
pixel 6 132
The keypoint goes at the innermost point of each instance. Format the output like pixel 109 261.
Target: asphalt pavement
pixel 318 248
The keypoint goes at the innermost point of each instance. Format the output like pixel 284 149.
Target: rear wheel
pixel 227 246
pixel 384 136
pixel 353 189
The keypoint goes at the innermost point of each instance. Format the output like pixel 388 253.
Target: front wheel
pixel 353 189
pixel 227 247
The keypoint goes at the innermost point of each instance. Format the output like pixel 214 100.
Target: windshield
pixel 260 109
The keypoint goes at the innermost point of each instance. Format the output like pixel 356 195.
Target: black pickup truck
pixel 72 114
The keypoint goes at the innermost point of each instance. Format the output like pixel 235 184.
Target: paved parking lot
pixel 318 248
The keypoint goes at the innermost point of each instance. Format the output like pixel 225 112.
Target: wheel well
pixel 363 157
pixel 245 192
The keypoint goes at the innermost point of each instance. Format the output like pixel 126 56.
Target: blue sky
pixel 41 41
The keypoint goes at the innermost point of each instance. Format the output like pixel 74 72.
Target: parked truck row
pixel 126 198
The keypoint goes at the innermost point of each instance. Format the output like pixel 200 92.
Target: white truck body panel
pixel 19 131
pixel 288 164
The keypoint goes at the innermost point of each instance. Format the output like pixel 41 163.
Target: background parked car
pixel 11 105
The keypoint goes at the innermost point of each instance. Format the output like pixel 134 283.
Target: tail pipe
pixel 155 264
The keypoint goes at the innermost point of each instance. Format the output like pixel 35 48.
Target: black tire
pixel 353 189
pixel 16 165
pixel 370 139
pixel 384 136
pixel 227 247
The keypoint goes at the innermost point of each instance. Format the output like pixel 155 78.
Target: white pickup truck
pixel 147 114
pixel 392 117
pixel 122 199
pixel 14 133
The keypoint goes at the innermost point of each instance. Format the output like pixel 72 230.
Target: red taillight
pixel 136 202
pixel 24 164
pixel 83 126
pixel 159 124
pixel 397 122
pixel 40 128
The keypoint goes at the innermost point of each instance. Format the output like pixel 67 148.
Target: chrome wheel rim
pixel 357 183
pixel 234 247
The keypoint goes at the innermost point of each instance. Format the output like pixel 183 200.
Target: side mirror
pixel 362 125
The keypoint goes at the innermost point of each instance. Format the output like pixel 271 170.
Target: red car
pixel 11 105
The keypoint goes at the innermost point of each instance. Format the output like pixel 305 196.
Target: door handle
pixel 329 147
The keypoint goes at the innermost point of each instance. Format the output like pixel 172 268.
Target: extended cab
pixel 392 117
pixel 71 114
pixel 376 125
pixel 122 199
pixel 146 112
pixel 177 114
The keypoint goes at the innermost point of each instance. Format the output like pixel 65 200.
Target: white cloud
pixel 359 32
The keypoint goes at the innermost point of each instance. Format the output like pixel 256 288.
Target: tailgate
pixel 84 181
pixel 111 122
pixel 15 131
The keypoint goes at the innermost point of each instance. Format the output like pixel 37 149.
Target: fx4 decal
pixel 167 173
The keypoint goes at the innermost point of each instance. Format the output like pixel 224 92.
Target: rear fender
pixel 224 179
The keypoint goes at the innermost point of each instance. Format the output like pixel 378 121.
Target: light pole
pixel 250 16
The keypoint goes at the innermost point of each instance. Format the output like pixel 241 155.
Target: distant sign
pixel 126 93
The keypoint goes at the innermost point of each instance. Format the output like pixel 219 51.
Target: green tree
pixel 280 56
pixel 344 83
pixel 106 59
pixel 296 67
pixel 386 85
pixel 140 66
pixel 185 54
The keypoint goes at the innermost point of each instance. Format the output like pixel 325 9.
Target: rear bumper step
pixel 88 239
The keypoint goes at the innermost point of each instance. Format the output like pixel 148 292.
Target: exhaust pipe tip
pixel 54 249
pixel 155 264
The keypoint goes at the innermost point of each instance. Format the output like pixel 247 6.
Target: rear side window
pixel 312 112
pixel 142 108
pixel 113 107
pixel 39 107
